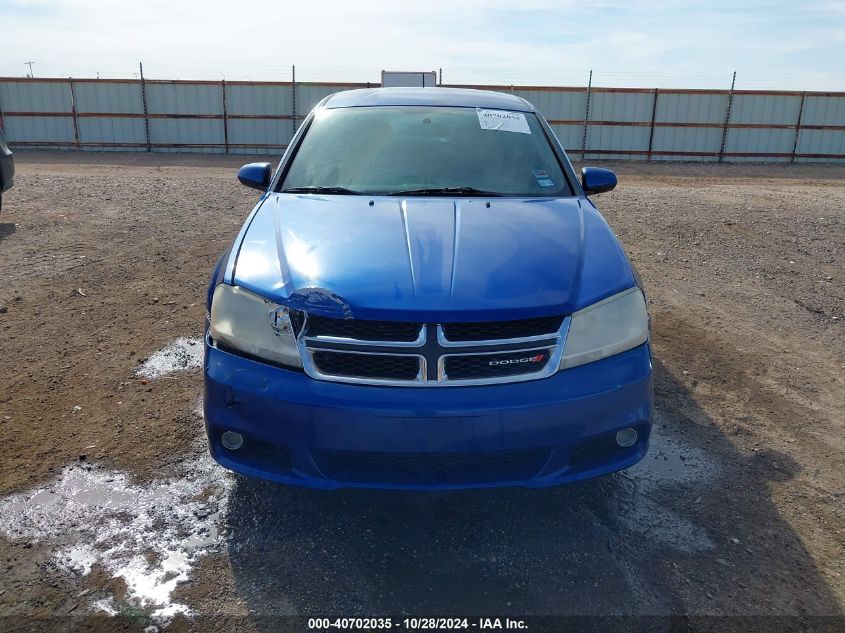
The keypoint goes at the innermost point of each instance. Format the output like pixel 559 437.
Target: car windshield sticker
pixel 503 121
pixel 543 178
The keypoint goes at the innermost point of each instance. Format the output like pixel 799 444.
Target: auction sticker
pixel 503 121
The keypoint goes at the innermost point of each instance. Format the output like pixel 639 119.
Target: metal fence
pixel 261 117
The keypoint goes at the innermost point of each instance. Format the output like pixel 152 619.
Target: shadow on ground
pixel 692 529
pixel 6 229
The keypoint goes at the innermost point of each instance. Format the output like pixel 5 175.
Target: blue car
pixel 425 297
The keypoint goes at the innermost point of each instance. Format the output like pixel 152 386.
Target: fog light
pixel 233 441
pixel 626 437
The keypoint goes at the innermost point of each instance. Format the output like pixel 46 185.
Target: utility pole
pixel 31 74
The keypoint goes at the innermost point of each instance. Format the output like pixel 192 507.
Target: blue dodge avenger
pixel 425 297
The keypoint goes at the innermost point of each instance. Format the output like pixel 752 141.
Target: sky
pixel 640 43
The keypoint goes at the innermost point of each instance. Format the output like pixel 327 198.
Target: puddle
pixel 149 535
pixel 180 355
pixel 671 467
pixel 670 461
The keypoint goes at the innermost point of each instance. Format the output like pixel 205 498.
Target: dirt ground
pixel 738 510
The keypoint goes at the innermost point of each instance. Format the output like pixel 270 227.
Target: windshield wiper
pixel 343 191
pixel 446 191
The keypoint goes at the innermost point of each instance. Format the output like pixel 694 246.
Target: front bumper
pixel 319 434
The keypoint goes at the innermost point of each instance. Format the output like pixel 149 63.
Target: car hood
pixel 461 259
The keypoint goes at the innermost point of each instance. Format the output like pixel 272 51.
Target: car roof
pixel 460 97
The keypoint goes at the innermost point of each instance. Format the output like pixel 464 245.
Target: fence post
pixel 727 119
pixel 225 119
pixel 586 118
pixel 146 113
pixel 798 127
pixel 73 111
pixel 293 107
pixel 651 131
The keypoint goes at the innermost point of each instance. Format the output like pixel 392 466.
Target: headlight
pixel 609 327
pixel 251 324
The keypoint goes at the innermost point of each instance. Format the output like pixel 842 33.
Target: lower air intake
pixel 431 469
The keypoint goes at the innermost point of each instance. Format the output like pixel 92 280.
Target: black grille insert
pixel 390 367
pixel 492 330
pixel 496 365
pixel 433 468
pixel 397 331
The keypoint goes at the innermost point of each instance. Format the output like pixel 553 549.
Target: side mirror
pixel 597 180
pixel 256 175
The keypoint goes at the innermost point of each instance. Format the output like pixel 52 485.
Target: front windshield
pixel 421 150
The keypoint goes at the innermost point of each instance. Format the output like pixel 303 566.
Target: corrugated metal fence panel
pixel 820 110
pixel 272 99
pixel 557 105
pixel 693 143
pixel 691 107
pixel 771 109
pixel 621 106
pixel 686 143
pixel 612 141
pixel 184 98
pixel 41 131
pixel 192 134
pixel 826 145
pixel 257 135
pixel 187 135
pixel 107 96
pixel 757 109
pixel 110 132
pixel 825 111
pixel 775 143
pixel 36 96
pixel 617 141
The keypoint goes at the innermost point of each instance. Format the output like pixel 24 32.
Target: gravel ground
pixel 113 518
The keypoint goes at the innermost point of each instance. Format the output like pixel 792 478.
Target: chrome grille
pixel 414 354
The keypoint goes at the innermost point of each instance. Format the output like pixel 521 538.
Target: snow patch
pixel 180 355
pixel 150 535
pixel 78 558
pixel 106 605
